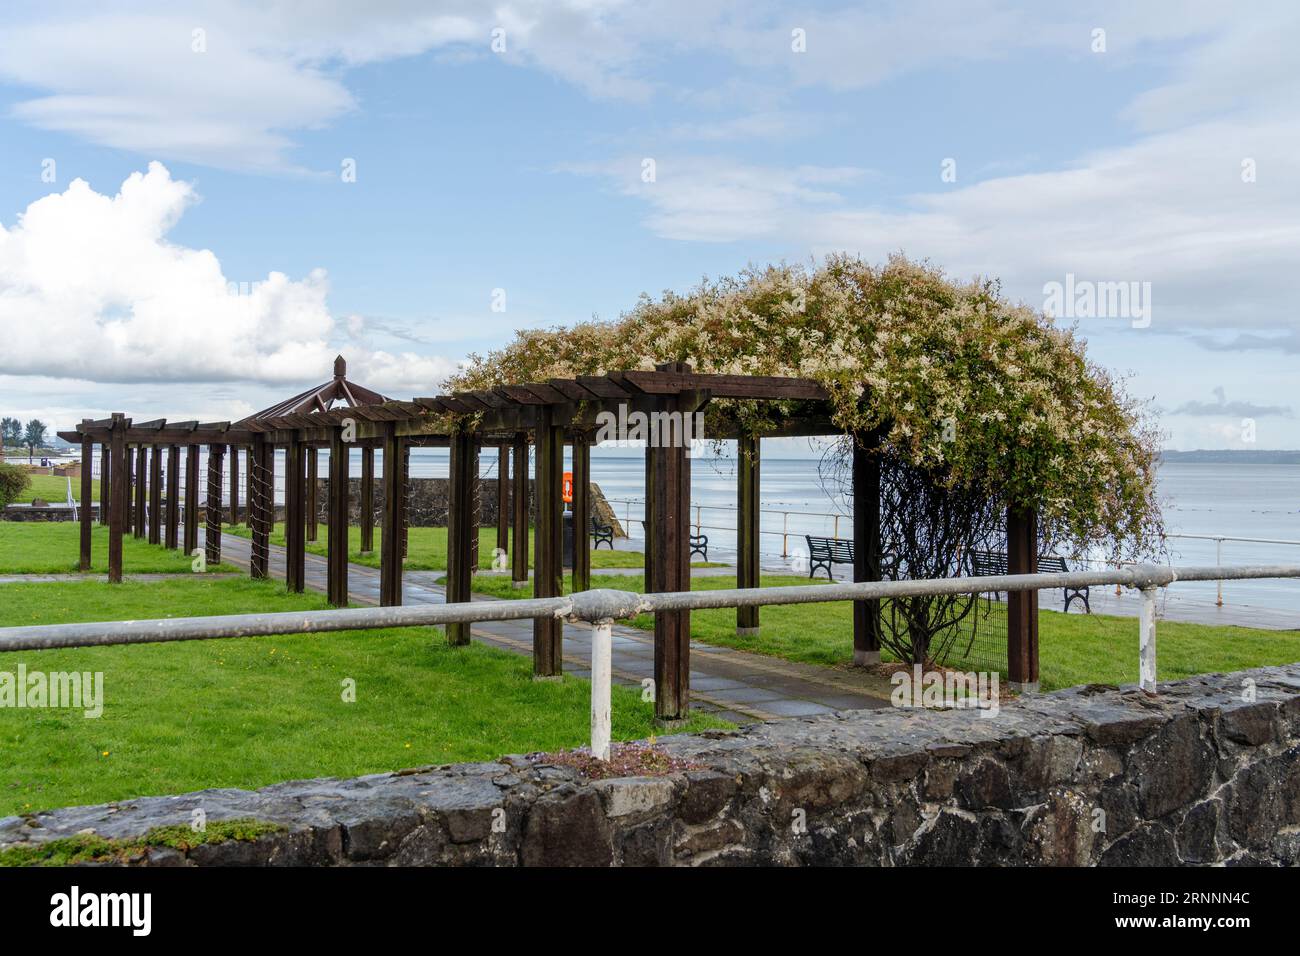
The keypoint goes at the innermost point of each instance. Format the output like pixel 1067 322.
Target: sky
pixel 201 204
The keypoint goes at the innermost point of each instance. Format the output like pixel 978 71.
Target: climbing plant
pixel 981 394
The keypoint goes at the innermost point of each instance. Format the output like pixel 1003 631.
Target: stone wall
pixel 429 497
pixel 1091 775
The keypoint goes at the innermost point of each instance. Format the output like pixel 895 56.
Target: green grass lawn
pixel 54 489
pixel 253 711
pixel 1073 648
pixel 427 548
pixel 53 547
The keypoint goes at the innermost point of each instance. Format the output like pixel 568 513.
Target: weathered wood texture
pixel 462 525
pixel 1022 606
pixel 140 527
pixel 581 513
pixel 295 517
pixel 336 560
pixel 519 557
pixel 367 507
pixel 313 462
pixel 212 510
pixel 155 494
pixel 866 547
pixel 105 475
pixel 234 487
pixel 390 543
pixel 548 575
pixel 192 499
pixel 120 503
pixel 260 509
pixel 86 510
pixel 670 537
pixel 173 531
pixel 748 452
pixel 503 499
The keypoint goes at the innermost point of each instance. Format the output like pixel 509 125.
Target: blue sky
pixel 521 170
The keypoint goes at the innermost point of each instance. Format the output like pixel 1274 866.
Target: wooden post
pixel 519 562
pixel 120 501
pixel 336 542
pixel 671 569
pixel 503 499
pixel 212 510
pixel 191 499
pixel 390 541
pixel 128 477
pixel 460 526
pixel 406 500
pixel 866 547
pixel 86 511
pixel 248 481
pixel 581 513
pixel 295 517
pixel 173 496
pixel 548 575
pixel 1022 606
pixel 155 494
pixel 649 520
pixel 234 486
pixel 261 505
pixel 105 476
pixel 748 450
pixel 367 506
pixel 141 526
pixel 312 491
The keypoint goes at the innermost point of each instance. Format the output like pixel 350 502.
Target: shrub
pixel 13 482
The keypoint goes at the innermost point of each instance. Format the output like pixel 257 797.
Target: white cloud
pixel 91 289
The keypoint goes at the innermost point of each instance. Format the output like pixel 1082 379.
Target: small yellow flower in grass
pixel 104 754
pixel 408 746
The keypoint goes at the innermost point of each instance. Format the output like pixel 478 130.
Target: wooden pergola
pixel 548 415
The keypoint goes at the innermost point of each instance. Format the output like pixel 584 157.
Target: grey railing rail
pixel 602 607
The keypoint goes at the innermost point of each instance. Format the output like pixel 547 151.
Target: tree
pixel 11 432
pixel 34 437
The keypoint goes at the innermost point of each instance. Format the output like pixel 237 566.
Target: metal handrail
pixel 602 607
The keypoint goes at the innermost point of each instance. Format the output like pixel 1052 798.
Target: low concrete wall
pixel 1086 776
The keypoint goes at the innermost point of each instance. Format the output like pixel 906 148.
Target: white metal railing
pixel 785 513
pixel 602 607
pixel 785 532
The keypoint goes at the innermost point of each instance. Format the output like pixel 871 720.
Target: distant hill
pixel 1233 456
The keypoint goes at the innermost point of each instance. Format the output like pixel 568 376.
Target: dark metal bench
pixel 986 563
pixel 700 546
pixel 601 532
pixel 823 552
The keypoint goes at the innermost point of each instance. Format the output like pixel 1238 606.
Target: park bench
pixel 601 532
pixel 985 563
pixel 700 546
pixel 823 552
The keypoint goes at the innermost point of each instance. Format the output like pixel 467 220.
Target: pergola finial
pixel 340 367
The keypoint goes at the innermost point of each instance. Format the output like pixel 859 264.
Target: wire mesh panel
pixel 980 641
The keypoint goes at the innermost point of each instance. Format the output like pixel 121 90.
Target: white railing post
pixel 1218 561
pixel 602 641
pixel 785 534
pixel 1147 640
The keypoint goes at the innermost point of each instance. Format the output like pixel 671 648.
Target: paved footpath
pixel 740 687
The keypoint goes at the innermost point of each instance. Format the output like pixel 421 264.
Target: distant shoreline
pixel 1232 456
